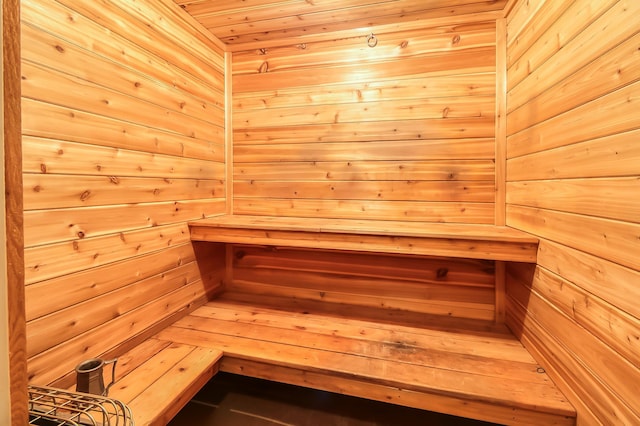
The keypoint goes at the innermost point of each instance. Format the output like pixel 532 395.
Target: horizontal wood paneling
pixel 615 112
pixel 123 142
pixel 371 91
pixel 613 240
pixel 604 398
pixel 437 170
pixel 49 226
pixel 56 294
pixel 48 51
pixel 63 325
pixel 428 131
pixel 338 129
pixel 58 191
pixel 572 180
pixel 394 150
pixel 395 190
pixel 60 123
pixel 50 365
pixel 400 44
pixel 396 110
pixel 614 155
pixel 589 23
pixel 612 282
pixel 454 288
pixel 243 25
pixel 474 60
pixel 68 158
pixel 375 210
pixel 144 23
pixel 50 86
pixel 52 260
pixel 543 42
pixel 557 352
pixel 129 48
pixel 612 69
pixel 612 198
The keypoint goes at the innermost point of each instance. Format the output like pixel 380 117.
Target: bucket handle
pixel 113 374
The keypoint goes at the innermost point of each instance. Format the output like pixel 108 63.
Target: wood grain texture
pixel 386 237
pixel 501 121
pixel 434 286
pixel 16 359
pixel 57 294
pixel 123 137
pixel 409 211
pixel 62 325
pixel 58 123
pixel 406 363
pixel 67 224
pixel 572 169
pixel 602 399
pixel 156 384
pixel 228 136
pixel 330 123
pixel 46 367
pixel 123 48
pixel 265 23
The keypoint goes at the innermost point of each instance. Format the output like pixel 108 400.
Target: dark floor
pixel 235 400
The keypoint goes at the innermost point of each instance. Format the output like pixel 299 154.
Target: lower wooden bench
pixel 158 377
pixel 482 373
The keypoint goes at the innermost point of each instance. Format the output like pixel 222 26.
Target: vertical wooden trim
pixel 5 329
pixel 501 121
pixel 501 160
pixel 228 262
pixel 228 129
pixel 501 297
pixel 12 141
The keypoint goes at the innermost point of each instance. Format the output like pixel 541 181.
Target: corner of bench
pixel 157 378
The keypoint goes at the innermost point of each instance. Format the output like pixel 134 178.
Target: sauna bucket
pixel 89 376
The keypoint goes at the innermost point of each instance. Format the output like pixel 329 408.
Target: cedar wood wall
pixel 337 129
pixel 123 141
pixel 384 143
pixel 404 130
pixel 573 180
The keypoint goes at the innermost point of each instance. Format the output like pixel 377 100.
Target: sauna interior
pixel 431 203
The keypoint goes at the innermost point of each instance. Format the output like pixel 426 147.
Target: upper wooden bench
pixel 420 238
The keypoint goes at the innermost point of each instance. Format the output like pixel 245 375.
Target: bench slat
pixel 478 409
pixel 128 387
pixel 490 344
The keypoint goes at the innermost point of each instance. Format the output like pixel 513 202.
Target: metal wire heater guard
pixel 50 406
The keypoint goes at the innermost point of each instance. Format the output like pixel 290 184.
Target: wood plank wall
pixel 400 131
pixel 123 140
pixel 437 287
pixel 573 179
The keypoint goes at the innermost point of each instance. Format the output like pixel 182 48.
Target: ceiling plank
pixel 245 24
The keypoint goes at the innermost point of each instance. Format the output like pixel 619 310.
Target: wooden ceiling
pixel 249 22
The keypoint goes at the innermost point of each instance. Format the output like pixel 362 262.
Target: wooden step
pixel 435 239
pixel 482 373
